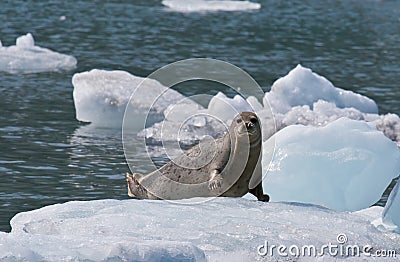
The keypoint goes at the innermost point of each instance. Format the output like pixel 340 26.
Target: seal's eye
pixel 239 120
pixel 254 120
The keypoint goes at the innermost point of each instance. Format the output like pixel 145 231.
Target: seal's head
pixel 247 124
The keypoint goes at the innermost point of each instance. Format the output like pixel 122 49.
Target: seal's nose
pixel 249 125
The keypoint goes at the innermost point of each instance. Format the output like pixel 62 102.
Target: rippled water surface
pixel 47 156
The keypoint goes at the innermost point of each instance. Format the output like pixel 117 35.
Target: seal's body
pixel 228 166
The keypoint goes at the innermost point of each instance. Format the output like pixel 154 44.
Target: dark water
pixel 47 156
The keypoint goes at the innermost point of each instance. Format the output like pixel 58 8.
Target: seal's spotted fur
pixel 220 167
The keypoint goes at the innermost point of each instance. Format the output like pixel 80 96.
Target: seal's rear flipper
pixel 215 180
pixel 133 184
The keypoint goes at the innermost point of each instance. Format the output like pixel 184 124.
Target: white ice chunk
pixel 209 5
pixel 391 213
pixel 101 98
pixel 304 97
pixel 323 112
pixel 345 165
pixel 303 87
pixel 254 104
pixel 225 108
pixel 25 41
pixel 222 229
pixel 26 57
pixel 389 124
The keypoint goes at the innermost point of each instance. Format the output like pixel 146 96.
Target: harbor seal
pixel 229 167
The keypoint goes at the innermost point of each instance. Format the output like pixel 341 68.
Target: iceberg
pixel 209 5
pixel 345 165
pixel 101 98
pixel 306 98
pixel 301 87
pixel 391 213
pixel 220 229
pixel 26 57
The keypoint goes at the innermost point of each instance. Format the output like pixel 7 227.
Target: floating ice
pixel 226 108
pixel 303 97
pixel 222 229
pixel 303 87
pixel 209 5
pixel 323 112
pixel 391 213
pixel 25 57
pixel 101 98
pixel 345 165
pixel 389 124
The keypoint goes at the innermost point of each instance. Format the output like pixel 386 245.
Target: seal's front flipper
pixel 133 184
pixel 258 192
pixel 263 198
pixel 215 181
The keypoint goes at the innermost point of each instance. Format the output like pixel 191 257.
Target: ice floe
pixel 26 57
pixel 222 229
pixel 209 5
pixel 345 165
pixel 301 87
pixel 306 98
pixel 101 98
